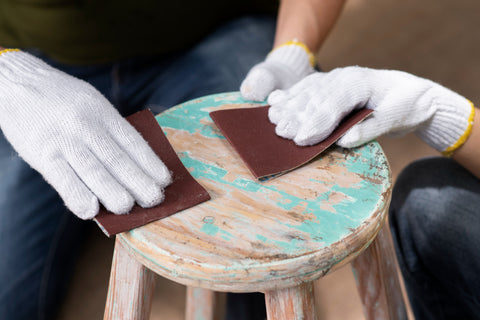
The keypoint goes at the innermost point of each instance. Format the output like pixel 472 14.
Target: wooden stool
pixel 274 237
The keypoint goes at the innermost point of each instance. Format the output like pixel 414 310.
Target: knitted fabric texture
pixel 311 109
pixel 66 130
pixel 284 66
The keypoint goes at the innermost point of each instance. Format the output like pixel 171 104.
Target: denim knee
pixel 434 218
pixel 435 203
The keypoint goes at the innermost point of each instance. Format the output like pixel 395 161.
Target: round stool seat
pixel 258 236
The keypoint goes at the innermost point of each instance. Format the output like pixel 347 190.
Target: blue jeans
pixel 39 239
pixel 435 223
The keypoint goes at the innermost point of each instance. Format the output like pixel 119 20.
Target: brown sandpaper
pixel 183 193
pixel 265 153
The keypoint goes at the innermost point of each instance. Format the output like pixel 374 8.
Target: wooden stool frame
pixel 274 237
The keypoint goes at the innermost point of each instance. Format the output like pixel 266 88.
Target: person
pixel 434 210
pixel 70 72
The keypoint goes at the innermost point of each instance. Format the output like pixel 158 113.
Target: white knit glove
pixel 283 67
pixel 310 110
pixel 66 130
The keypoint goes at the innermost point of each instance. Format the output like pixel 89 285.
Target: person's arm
pixel 468 155
pixel 71 134
pixel 310 110
pixel 308 21
pixel 302 27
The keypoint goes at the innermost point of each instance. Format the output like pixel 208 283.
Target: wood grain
pixel 296 303
pixel 130 290
pixel 274 236
pixel 254 236
pixel 377 280
pixel 200 304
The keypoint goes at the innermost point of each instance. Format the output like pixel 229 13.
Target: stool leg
pixel 200 304
pixel 378 280
pixel 292 303
pixel 130 289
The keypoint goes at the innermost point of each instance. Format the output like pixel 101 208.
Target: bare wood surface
pixel 377 280
pixel 256 236
pixel 130 290
pixel 200 304
pixel 295 303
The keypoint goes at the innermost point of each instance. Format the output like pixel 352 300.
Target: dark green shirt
pixel 97 31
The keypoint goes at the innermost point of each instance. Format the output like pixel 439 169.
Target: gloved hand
pixel 283 67
pixel 66 130
pixel 310 110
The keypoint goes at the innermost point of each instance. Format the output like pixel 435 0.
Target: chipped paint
pixel 210 229
pixel 305 222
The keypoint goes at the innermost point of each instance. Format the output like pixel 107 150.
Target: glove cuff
pixel 295 42
pixel 8 50
pixel 17 63
pixel 451 124
pixel 295 55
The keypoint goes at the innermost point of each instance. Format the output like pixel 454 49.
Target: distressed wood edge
pixel 367 235
pixel 200 304
pixel 378 280
pixel 130 289
pixel 294 303
pixel 330 260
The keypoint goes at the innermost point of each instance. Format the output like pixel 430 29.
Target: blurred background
pixel 435 39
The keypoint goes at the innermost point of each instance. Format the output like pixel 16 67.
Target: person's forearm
pixel 468 155
pixel 308 21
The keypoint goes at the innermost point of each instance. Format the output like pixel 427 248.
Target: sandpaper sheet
pixel 183 193
pixel 253 137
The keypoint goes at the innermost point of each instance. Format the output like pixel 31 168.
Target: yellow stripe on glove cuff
pixel 450 150
pixel 295 42
pixel 8 50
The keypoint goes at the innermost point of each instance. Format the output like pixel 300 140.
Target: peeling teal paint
pixel 287 201
pixel 210 229
pixel 203 170
pixel 174 122
pixel 200 169
pixel 361 163
pixel 190 115
pixel 262 238
pixel 293 246
pixel 339 223
pixel 326 227
pixel 329 227
pixel 226 235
